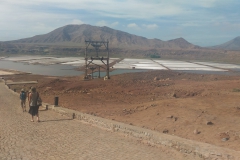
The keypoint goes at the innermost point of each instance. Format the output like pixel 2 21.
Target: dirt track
pixel 179 104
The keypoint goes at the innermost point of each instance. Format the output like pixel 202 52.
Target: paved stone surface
pixel 24 82
pixel 57 137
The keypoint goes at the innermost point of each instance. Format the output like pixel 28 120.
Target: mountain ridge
pixel 233 44
pixel 77 34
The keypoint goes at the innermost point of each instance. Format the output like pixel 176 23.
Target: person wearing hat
pixel 23 97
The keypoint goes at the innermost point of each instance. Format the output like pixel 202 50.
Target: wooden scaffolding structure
pixel 89 61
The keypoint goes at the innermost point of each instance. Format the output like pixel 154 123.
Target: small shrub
pixel 155 56
pixel 236 90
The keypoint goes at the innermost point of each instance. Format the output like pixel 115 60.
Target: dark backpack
pixel 23 95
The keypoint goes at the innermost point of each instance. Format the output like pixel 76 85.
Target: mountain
pixel 230 45
pixel 75 35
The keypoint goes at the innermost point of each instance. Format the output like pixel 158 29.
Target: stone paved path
pixel 57 137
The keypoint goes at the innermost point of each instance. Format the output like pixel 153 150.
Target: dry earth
pixel 204 108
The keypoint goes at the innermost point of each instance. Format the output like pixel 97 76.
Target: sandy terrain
pixel 204 108
pixel 5 72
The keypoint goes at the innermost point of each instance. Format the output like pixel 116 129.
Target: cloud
pixel 102 23
pixel 111 8
pixel 139 9
pixel 150 26
pixel 105 23
pixel 114 24
pixel 199 4
pixel 191 24
pixel 24 18
pixel 132 25
pixel 76 21
pixel 228 26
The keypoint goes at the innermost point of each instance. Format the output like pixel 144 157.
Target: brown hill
pixel 75 35
pixel 230 45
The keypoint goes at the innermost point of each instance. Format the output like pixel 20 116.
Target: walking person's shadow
pixel 65 119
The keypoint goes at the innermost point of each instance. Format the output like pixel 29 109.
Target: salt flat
pixel 25 58
pixel 219 65
pixel 172 65
pixel 127 63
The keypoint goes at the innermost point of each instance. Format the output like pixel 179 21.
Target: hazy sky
pixel 201 22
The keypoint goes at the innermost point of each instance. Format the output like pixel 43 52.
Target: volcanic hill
pixel 75 35
pixel 233 44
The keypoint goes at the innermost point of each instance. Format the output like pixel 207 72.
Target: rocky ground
pixel 204 108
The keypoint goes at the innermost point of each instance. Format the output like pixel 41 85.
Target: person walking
pixel 28 93
pixel 33 98
pixel 23 97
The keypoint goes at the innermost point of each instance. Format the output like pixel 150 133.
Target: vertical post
pixel 107 61
pixel 98 71
pixel 85 62
pixel 97 48
pixel 73 115
pixel 92 73
pixel 56 101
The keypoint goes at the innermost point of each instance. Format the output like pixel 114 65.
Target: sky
pixel 200 22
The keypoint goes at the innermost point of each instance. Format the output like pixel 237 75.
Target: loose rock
pixel 209 123
pixel 225 139
pixel 196 131
pixel 165 131
pixel 170 116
